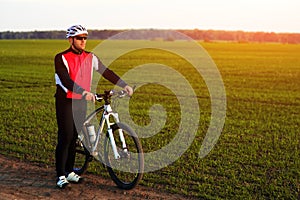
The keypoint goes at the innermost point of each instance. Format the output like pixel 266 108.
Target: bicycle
pixel 123 155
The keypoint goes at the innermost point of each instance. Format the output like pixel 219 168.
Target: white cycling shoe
pixel 74 178
pixel 62 182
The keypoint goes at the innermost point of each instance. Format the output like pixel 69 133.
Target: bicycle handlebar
pixel 109 93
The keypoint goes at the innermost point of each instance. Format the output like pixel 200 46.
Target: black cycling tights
pixel 70 115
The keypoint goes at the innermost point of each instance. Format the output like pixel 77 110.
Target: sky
pixel 245 15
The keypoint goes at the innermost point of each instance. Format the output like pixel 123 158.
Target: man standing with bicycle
pixel 73 75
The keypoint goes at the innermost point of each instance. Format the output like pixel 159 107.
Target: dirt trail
pixel 23 180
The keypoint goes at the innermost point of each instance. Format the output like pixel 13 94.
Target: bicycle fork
pixel 110 132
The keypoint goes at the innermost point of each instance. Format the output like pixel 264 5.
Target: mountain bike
pixel 113 143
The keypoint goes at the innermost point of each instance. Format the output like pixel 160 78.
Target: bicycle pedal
pixel 90 159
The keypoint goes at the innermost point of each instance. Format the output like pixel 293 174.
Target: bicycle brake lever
pixel 122 93
pixel 98 97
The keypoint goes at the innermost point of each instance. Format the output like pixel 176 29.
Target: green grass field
pixel 256 156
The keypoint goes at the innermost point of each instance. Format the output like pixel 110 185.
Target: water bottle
pixel 92 133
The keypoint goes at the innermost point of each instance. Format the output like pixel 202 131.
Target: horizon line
pixel 124 29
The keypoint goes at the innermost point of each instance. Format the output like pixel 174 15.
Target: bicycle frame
pixel 105 119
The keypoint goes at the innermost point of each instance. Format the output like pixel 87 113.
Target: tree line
pixel 153 34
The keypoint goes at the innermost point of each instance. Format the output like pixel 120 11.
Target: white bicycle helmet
pixel 76 30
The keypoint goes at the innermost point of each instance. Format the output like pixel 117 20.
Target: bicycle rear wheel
pixel 82 158
pixel 126 171
pixel 83 145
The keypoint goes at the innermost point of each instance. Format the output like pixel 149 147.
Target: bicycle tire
pixel 127 171
pixel 82 158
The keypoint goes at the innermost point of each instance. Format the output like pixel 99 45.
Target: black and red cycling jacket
pixel 74 72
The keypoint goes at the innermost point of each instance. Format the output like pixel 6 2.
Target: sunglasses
pixel 80 38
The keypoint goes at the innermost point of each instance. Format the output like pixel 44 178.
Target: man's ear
pixel 70 40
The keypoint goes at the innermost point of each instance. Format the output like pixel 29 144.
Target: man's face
pixel 79 41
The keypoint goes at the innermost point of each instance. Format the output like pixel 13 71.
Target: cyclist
pixel 73 76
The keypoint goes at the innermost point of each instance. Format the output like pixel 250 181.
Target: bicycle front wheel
pixel 127 170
